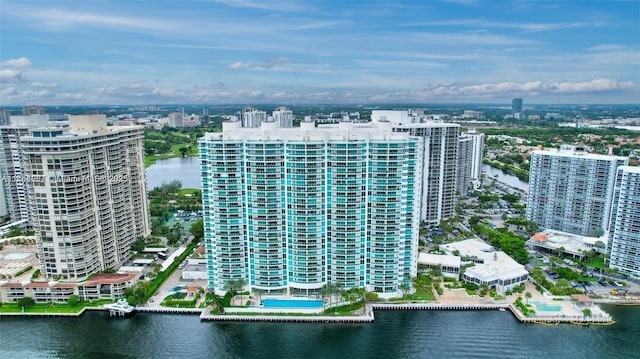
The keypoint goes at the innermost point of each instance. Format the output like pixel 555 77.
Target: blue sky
pixel 250 51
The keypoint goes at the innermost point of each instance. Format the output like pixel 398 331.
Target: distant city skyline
pixel 288 52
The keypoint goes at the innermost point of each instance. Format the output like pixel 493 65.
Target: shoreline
pixel 368 317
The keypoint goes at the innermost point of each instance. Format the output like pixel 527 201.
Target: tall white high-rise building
pixel 293 209
pixel 624 229
pixel 252 117
pixel 15 171
pixel 571 190
pixel 470 152
pixel 440 146
pixel 176 119
pixel 283 117
pixel 465 150
pixel 5 117
pixel 89 195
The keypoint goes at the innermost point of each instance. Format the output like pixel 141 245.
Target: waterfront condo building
pixel 14 167
pixel 439 171
pixel 470 153
pixel 89 197
pixel 624 229
pixel 289 210
pixel 571 190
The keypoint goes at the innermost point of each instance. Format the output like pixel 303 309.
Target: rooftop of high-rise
pixel 576 152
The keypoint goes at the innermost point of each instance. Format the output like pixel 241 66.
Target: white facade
pixel 290 210
pixel 15 173
pixel 571 190
pixel 449 264
pixel 176 119
pixel 570 244
pixel 470 153
pixel 283 117
pixel 89 196
pixel 440 144
pixel 492 268
pixel 624 235
pixel 252 117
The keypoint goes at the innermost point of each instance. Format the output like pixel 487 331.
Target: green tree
pixel 197 230
pixel 324 293
pixel 136 294
pixel 218 303
pixel 511 197
pixel 233 286
pixel 138 245
pixel 436 270
pixel 26 302
pixel 563 284
pixel 14 231
pixel 73 300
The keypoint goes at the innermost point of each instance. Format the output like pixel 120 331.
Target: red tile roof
pixel 37 285
pixel 109 278
pixel 12 285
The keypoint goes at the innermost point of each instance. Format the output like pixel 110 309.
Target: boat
pixel 502 309
pixel 121 308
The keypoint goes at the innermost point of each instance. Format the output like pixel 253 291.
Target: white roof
pixel 439 259
pixel 496 264
pixel 154 249
pixel 142 261
pixel 577 154
pixel 572 243
pixel 269 131
pixel 469 247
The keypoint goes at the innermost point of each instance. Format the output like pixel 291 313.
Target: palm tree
pixel 405 288
pixel 338 289
pixel 324 293
pixel 233 286
pixel 527 295
pixel 218 303
pixel 259 292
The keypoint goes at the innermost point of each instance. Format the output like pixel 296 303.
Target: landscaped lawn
pixel 175 152
pixel 51 308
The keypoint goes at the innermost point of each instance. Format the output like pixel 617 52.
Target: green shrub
pixel 73 300
pixel 23 271
pixel 36 274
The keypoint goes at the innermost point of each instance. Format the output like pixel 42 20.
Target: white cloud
pixel 272 5
pixel 596 85
pixel 19 63
pixel 10 76
pixel 45 85
pixel 524 26
pixel 472 38
pixel 261 65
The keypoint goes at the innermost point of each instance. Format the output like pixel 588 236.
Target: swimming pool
pixel 544 307
pixel 291 303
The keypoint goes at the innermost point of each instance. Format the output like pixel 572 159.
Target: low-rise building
pixel 100 286
pixel 492 268
pixel 449 264
pixel 567 243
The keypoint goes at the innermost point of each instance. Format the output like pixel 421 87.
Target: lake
pixel 184 169
pixel 510 180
